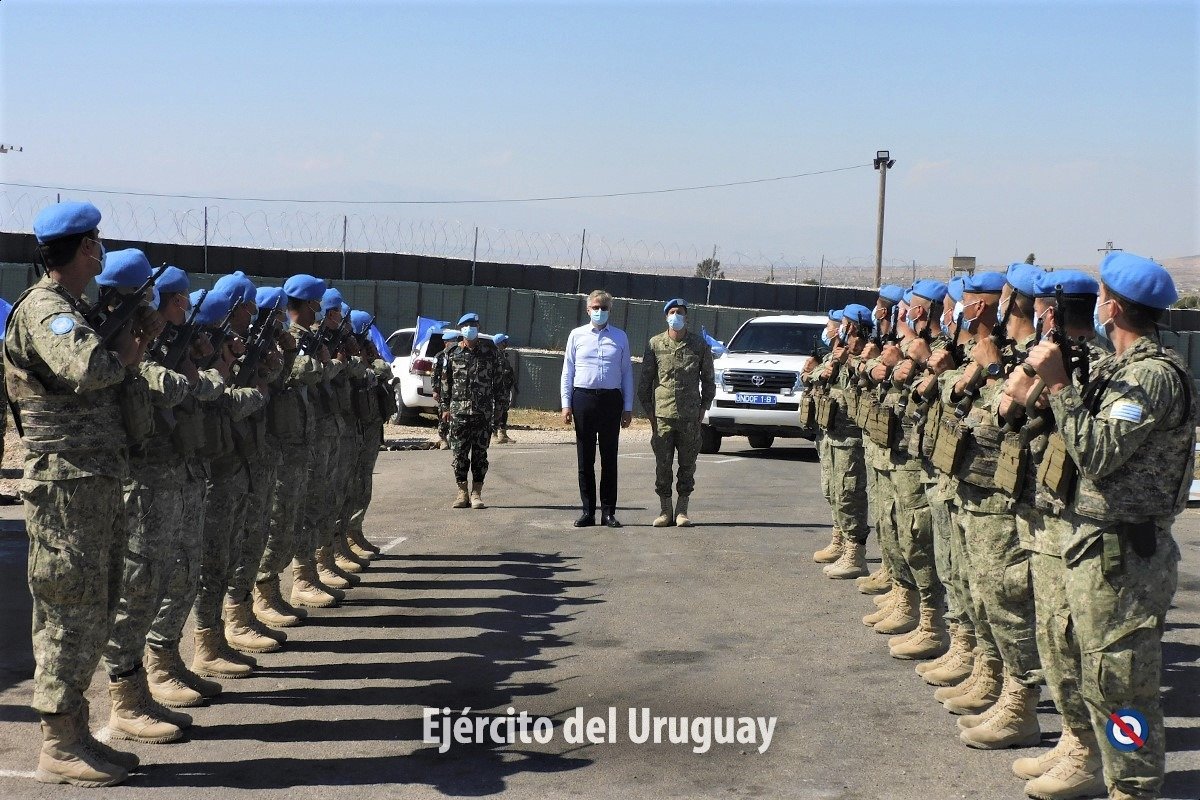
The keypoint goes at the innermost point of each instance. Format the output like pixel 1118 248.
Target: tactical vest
pixel 1153 483
pixel 188 434
pixel 285 415
pixel 218 432
pixel 137 407
pixel 57 423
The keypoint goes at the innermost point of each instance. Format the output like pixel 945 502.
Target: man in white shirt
pixel 597 394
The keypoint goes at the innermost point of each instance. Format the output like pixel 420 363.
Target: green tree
pixel 1188 301
pixel 1030 259
pixel 710 268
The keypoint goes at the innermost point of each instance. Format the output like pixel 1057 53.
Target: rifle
pixel 260 340
pixel 217 337
pixel 171 347
pixel 1075 355
pixel 332 337
pixel 108 323
pixel 366 332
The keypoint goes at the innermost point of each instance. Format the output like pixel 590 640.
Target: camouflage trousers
pixel 364 475
pixel 1118 606
pixel 349 453
pixel 287 503
pixel 249 548
pixel 965 581
pixel 1002 591
pixel 181 580
pixel 153 509
pixel 914 532
pixel 671 437
pixel 443 429
pixel 77 536
pixel 469 439
pixel 823 456
pixel 848 490
pixel 502 409
pixel 322 462
pixel 883 504
pixel 224 525
pixel 940 494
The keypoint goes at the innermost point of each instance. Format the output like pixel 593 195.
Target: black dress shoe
pixel 609 520
pixel 585 520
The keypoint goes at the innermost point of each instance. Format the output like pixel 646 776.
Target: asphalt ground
pixel 512 607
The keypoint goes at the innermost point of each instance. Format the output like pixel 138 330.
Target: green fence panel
pixel 520 317
pixel 539 380
pixel 729 320
pixel 491 304
pixel 15 279
pixel 554 315
pixel 703 317
pixel 642 322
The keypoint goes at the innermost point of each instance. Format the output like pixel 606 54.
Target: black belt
pixel 594 391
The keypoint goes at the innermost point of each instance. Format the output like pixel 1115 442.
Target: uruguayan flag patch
pixel 1125 410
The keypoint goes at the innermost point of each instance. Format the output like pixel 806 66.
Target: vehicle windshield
pixel 782 338
pixel 401 342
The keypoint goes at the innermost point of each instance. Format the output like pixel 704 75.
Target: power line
pixel 438 202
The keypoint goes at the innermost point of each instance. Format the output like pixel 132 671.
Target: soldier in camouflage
pixel 812 368
pixel 469 384
pixel 64 383
pixel 371 397
pixel 1131 437
pixel 675 389
pixel 449 341
pixel 504 393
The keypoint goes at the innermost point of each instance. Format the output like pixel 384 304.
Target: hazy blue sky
pixel 1050 126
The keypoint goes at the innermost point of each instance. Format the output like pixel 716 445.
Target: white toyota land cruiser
pixel 758 381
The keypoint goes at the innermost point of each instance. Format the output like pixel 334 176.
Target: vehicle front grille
pixel 743 380
pixel 754 407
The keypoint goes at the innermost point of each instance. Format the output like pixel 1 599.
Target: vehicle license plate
pixel 756 399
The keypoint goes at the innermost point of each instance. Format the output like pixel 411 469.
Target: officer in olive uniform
pixel 449 340
pixel 65 384
pixel 371 395
pixel 675 389
pixel 469 384
pixel 815 390
pixel 504 393
pixel 1131 437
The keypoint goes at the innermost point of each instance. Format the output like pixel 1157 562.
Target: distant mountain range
pixel 1185 271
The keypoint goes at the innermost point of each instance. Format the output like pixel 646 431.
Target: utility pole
pixel 345 228
pixel 206 240
pixel 579 274
pixel 883 162
pixel 1108 248
pixel 474 255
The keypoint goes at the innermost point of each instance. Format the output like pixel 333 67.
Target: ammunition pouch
pixel 218 434
pixel 1011 465
pixel 950 446
pixel 981 452
pixel 808 411
pixel 932 429
pixel 864 405
pixel 827 413
pixel 188 434
pixel 387 401
pixel 1057 472
pixel 137 407
pixel 285 415
pixel 883 427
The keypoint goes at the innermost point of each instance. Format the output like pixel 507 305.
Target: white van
pixel 758 381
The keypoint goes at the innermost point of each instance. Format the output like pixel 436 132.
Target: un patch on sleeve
pixel 62 324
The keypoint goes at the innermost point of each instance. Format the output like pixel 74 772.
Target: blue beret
pixel 1138 279
pixel 157 298
pixel 304 287
pixel 65 219
pixel 907 296
pixel 1072 281
pixel 268 296
pixel 450 336
pixel 500 338
pixel 345 309
pixel 1023 277
pixel 891 292
pixel 237 286
pixel 331 300
pixel 124 269
pixel 172 280
pixel 858 313
pixel 467 317
pixel 835 314
pixel 359 320
pixel 216 307
pixel 934 291
pixel 676 302
pixel 955 289
pixel 984 283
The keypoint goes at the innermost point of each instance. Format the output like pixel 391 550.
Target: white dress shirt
pixel 597 358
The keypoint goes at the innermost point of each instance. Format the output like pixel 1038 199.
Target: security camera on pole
pixel 883 162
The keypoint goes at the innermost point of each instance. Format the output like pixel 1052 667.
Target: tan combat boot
pixel 461 500
pixel 503 438
pixel 982 693
pixel 156 709
pixel 175 666
pixel 65 758
pixel 124 760
pixel 878 582
pixel 131 718
pixel 210 658
pixel 1037 766
pixel 241 630
pixel 926 666
pixel 883 608
pixel 344 557
pixel 1013 724
pixel 681 512
pixel 166 686
pixel 851 564
pixel 904 614
pixel 928 640
pixel 1078 773
pixel 307 589
pixel 666 516
pixel 269 606
pixel 832 551
pixel 953 690
pixel 477 495
pixel 329 574
pixel 362 545
pixel 960 659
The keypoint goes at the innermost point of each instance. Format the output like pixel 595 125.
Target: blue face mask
pixel 676 321
pixel 825 340
pixel 844 335
pixel 469 332
pixel 599 316
pixel 1101 330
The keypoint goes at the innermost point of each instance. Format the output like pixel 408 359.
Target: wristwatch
pixel 993 370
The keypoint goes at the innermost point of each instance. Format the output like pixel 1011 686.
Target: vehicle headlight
pixel 719 376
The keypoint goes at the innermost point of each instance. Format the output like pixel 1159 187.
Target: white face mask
pixel 599 316
pixel 469 332
pixel 676 321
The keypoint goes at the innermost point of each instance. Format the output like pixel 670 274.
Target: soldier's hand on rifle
pixel 809 366
pixel 127 348
pixel 985 352
pixel 235 345
pixel 1018 386
pixel 891 355
pixel 202 348
pixel 841 353
pixel 923 386
pixel 827 373
pixel 879 372
pixel 870 351
pixel 1046 358
pixel 148 323
pixel 903 371
pixel 187 368
pixel 919 350
pixel 939 361
pixel 287 342
pixel 969 378
pixel 323 354
pixel 445 416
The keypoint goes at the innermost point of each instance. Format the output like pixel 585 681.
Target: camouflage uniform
pixel 468 391
pixel 350 448
pixel 883 510
pixel 376 381
pixel 181 579
pixel 320 511
pixel 848 469
pixel 1132 435
pixel 504 391
pixel 153 504
pixel 676 387
pixel 66 387
pixel 439 367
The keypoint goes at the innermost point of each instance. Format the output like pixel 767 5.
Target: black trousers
pixel 597 417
